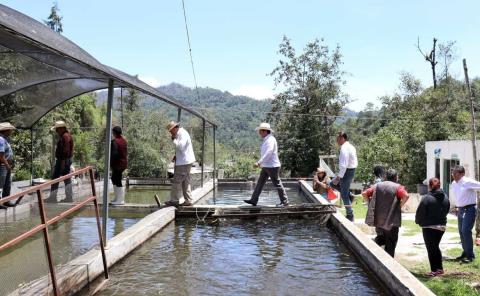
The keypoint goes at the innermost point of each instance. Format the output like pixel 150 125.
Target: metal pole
pixel 203 150
pixel 121 103
pixel 214 165
pixel 179 114
pixel 108 140
pixel 31 156
pixel 99 227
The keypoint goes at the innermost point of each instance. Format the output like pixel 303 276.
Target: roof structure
pixel 40 69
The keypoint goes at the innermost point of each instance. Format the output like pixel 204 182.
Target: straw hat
pixel 172 125
pixel 58 124
pixel 321 170
pixel 5 126
pixel 264 126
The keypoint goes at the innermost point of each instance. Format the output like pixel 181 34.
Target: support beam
pixel 203 150
pixel 31 156
pixel 179 114
pixel 108 140
pixel 214 156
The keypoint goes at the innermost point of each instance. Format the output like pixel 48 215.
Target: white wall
pixel 460 150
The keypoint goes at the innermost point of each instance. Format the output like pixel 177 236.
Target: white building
pixel 442 156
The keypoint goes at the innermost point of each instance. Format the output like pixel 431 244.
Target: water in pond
pixel 259 257
pixel 234 194
pixel 70 238
pixel 145 194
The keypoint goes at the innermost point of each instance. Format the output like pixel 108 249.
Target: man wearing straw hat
pixel 184 159
pixel 63 161
pixel 270 165
pixel 6 162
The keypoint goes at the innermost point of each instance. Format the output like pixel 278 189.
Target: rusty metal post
pixel 99 228
pixel 51 265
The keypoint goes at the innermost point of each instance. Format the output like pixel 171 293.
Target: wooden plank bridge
pixel 247 211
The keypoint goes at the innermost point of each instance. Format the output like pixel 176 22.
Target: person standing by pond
pixel 6 163
pixel 63 161
pixel 347 162
pixel 184 159
pixel 384 209
pixel 465 191
pixel 321 182
pixel 431 215
pixel 118 163
pixel 270 166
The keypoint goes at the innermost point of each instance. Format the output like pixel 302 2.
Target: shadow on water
pixel 237 257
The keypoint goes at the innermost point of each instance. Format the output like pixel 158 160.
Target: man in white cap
pixel 184 159
pixel 6 162
pixel 270 165
pixel 63 161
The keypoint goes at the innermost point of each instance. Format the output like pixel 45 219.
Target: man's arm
pixel 5 161
pixel 269 151
pixel 472 184
pixel 402 194
pixel 342 162
pixel 181 141
pixel 367 194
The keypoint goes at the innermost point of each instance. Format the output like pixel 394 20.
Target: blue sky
pixel 235 43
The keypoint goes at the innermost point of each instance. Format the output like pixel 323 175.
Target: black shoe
pixel 250 202
pixel 350 217
pixel 9 204
pixel 460 258
pixel 171 203
pixel 187 203
pixel 467 260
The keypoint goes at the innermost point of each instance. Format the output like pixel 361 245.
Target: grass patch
pixel 359 209
pixel 457 278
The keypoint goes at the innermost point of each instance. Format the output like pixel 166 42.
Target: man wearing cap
pixel 118 163
pixel 270 165
pixel 6 162
pixel 63 161
pixel 184 159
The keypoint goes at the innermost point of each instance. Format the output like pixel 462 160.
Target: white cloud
pixel 256 91
pixel 151 80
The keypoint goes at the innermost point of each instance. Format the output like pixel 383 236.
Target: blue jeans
pixel 344 188
pixel 466 220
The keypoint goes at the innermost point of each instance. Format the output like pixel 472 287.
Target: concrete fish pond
pixel 309 250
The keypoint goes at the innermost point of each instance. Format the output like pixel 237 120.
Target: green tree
pixel 306 110
pixel 54 20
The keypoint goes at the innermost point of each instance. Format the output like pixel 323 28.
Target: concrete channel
pixel 82 272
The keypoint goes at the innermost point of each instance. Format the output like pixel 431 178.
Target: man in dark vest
pixel 118 163
pixel 384 208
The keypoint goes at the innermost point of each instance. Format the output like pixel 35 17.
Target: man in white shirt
pixel 184 159
pixel 347 161
pixel 270 165
pixel 464 189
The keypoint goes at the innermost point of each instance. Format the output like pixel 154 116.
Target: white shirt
pixel 183 148
pixel 347 158
pixel 464 191
pixel 269 153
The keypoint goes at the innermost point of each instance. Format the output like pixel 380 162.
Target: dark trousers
pixel 58 172
pixel 117 177
pixel 391 239
pixel 466 221
pixel 273 173
pixel 432 238
pixel 344 188
pixel 5 181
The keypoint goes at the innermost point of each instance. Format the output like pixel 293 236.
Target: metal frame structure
pixel 43 226
pixel 64 71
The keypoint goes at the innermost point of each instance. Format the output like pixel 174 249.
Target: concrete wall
pixel 392 275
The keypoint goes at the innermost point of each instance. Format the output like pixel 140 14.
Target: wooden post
pixel 471 97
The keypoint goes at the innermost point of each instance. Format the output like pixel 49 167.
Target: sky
pixel 235 43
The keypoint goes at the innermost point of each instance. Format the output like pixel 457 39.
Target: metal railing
pixel 43 226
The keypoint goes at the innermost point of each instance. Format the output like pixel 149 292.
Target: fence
pixel 43 226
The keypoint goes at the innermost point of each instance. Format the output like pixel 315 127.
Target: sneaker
pixel 350 217
pixel 439 272
pixel 460 258
pixel 283 204
pixel 467 260
pixel 249 202
pixel 431 274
